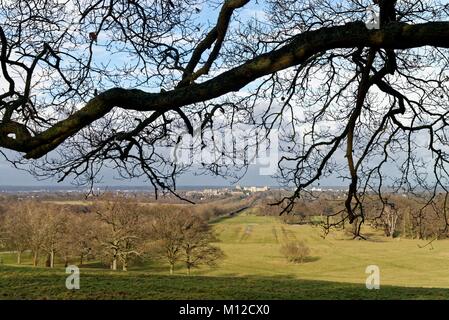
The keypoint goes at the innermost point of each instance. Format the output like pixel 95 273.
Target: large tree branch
pixel 217 35
pixel 295 52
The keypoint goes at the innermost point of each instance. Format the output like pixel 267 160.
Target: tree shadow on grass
pixel 49 284
pixel 304 261
pixel 311 259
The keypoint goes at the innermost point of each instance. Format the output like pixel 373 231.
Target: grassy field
pixel 254 269
pixel 25 283
pixel 252 243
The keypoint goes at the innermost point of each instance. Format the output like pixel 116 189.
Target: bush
pixel 293 219
pixel 296 252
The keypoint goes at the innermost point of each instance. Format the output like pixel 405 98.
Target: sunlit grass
pixel 335 258
pixel 255 269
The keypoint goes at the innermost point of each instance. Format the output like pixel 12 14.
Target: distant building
pixel 253 189
pixel 212 192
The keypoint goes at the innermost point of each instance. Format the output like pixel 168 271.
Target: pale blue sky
pixel 10 176
pixel 14 177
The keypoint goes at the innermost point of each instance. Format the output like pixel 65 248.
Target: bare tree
pixel 167 231
pixel 389 218
pixel 16 229
pixel 35 215
pixel 54 228
pixel 80 237
pixel 122 233
pixel 296 251
pixel 185 237
pixel 333 86
pixel 197 239
pixel 36 226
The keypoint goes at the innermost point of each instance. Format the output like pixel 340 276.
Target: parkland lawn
pixel 254 269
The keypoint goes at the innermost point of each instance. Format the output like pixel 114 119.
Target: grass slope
pixel 254 269
pixel 28 283
pixel 252 243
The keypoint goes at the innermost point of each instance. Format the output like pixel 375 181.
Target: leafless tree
pixel 36 215
pixel 167 232
pixel 296 251
pixel 389 219
pixel 80 237
pixel 122 232
pixel 181 236
pixel 16 229
pixel 35 226
pixel 347 100
pixel 197 239
pixel 54 229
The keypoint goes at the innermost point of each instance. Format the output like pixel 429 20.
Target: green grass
pixel 40 283
pixel 252 244
pixel 255 269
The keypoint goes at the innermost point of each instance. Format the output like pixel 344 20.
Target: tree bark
pixel 19 257
pixel 35 258
pixel 125 265
pixel 52 258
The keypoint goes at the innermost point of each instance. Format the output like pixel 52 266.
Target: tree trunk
pixel 81 259
pixel 52 258
pixel 35 258
pixel 125 265
pixel 171 268
pixel 114 264
pixel 19 257
pixel 188 263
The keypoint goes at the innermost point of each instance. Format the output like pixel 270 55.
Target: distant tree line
pixel 397 215
pixel 116 231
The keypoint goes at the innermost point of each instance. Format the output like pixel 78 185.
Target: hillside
pixel 253 263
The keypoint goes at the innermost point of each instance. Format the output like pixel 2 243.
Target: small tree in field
pixel 390 219
pixel 167 230
pixel 197 237
pixel 122 231
pixel 35 213
pixel 35 226
pixel 16 230
pixel 296 251
pixel 54 230
pixel 79 240
pixel 182 236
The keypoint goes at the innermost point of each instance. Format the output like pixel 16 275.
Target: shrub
pixel 293 219
pixel 296 251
